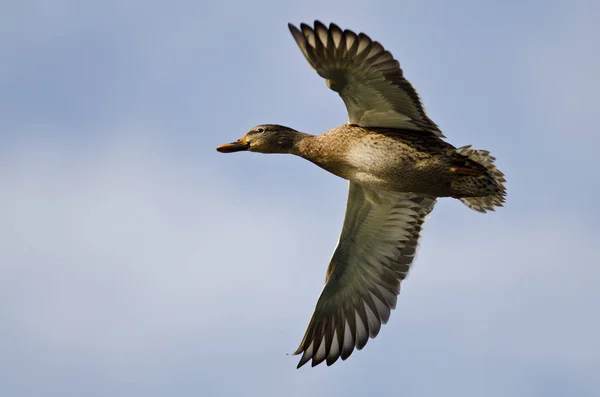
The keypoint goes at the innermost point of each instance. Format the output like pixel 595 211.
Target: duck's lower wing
pixel 376 248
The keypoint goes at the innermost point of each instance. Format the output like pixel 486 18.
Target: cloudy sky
pixel 135 260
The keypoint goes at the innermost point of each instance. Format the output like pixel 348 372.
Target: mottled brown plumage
pixel 397 163
pixel 422 163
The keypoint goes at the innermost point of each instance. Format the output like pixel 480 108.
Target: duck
pixel 397 164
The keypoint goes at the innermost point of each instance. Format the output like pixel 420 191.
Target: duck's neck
pixel 301 143
pixel 324 151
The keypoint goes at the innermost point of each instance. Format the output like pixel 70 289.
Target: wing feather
pixel 366 76
pixel 377 245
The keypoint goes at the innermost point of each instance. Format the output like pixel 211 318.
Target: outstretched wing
pixel 376 248
pixel 366 76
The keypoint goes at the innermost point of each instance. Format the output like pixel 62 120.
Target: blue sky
pixel 136 260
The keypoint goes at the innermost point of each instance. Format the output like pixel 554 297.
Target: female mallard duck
pixel 397 164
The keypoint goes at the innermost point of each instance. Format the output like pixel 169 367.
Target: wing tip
pixel 295 31
pixel 319 25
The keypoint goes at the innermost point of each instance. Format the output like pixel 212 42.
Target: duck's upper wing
pixel 366 76
pixel 376 248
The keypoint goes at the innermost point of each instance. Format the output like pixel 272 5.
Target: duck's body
pixel 383 158
pixel 397 163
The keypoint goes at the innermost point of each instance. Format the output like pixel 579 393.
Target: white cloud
pixel 122 254
pixel 140 256
pixel 124 247
pixel 563 68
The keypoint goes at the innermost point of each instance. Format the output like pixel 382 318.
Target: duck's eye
pixel 260 130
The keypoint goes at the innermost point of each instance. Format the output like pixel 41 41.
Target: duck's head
pixel 265 138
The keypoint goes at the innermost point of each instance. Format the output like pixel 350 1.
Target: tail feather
pixel 494 183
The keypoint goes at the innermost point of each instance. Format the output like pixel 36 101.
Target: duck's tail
pixel 479 184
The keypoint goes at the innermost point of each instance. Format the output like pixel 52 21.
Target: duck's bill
pixel 236 146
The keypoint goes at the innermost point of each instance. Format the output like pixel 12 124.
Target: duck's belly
pixel 371 164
